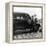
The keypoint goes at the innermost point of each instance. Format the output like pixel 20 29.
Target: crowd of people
pixel 34 24
pixel 26 24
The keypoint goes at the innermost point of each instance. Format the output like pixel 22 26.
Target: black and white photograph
pixel 27 22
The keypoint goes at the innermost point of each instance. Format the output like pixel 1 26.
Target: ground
pixel 36 35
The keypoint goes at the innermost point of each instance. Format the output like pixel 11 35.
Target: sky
pixel 30 10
